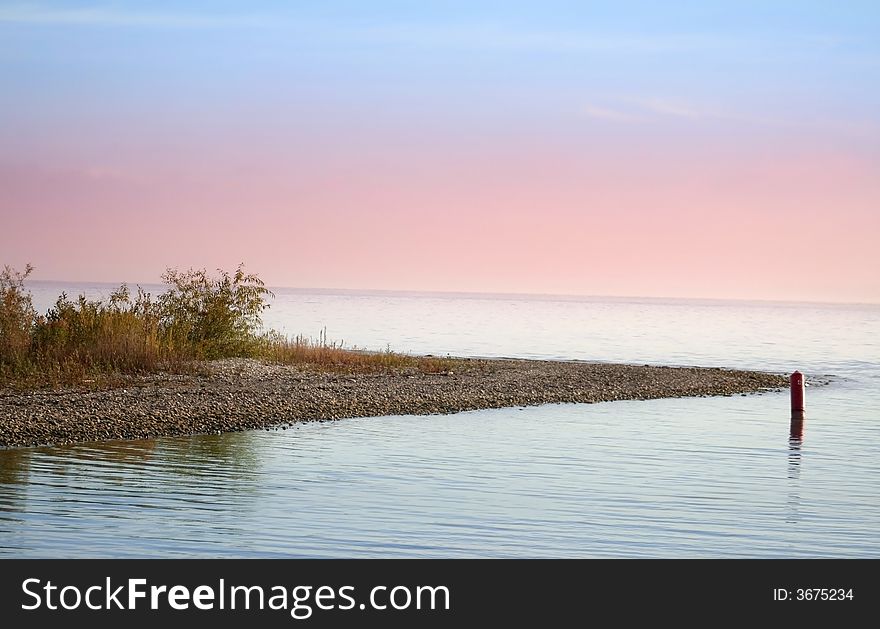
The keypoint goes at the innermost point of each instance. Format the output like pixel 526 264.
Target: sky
pixel 683 149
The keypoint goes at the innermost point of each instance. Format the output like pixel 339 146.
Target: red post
pixel 796 384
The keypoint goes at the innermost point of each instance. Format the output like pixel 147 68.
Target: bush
pixel 91 335
pixel 17 318
pixel 212 317
pixel 197 317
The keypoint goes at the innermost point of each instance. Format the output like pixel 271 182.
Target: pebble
pixel 244 394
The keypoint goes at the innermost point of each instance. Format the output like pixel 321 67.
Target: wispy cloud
pixel 498 37
pixel 676 109
pixel 630 109
pixel 461 36
pixel 645 110
pixel 606 113
pixel 103 16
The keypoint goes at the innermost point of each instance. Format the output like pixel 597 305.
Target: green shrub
pixel 212 317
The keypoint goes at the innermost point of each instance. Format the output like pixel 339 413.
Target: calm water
pixel 703 477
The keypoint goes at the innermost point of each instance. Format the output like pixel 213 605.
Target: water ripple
pixel 702 477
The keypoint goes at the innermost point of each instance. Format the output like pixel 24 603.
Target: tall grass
pixel 90 336
pixel 198 317
pixel 324 355
pixel 17 316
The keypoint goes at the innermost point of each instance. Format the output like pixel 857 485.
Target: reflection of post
pixel 795 441
pixel 796 430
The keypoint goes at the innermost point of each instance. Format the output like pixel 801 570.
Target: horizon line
pixel 497 294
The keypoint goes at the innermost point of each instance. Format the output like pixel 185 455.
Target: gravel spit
pixel 244 394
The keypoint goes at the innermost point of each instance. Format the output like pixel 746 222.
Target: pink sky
pixel 444 154
pixel 755 218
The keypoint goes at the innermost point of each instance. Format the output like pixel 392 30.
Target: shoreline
pixel 245 394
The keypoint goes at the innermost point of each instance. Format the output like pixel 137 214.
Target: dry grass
pixel 322 355
pixel 85 341
pixel 97 343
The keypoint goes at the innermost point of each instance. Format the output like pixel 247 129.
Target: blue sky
pixel 797 58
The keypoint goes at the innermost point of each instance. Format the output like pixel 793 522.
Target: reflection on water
pixel 551 481
pixel 698 477
pixel 795 441
pixel 70 495
pixel 796 428
pixel 14 473
pixel 14 466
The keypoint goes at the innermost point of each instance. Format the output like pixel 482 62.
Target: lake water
pixel 701 477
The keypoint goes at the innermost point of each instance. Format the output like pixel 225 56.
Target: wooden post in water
pixel 796 384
